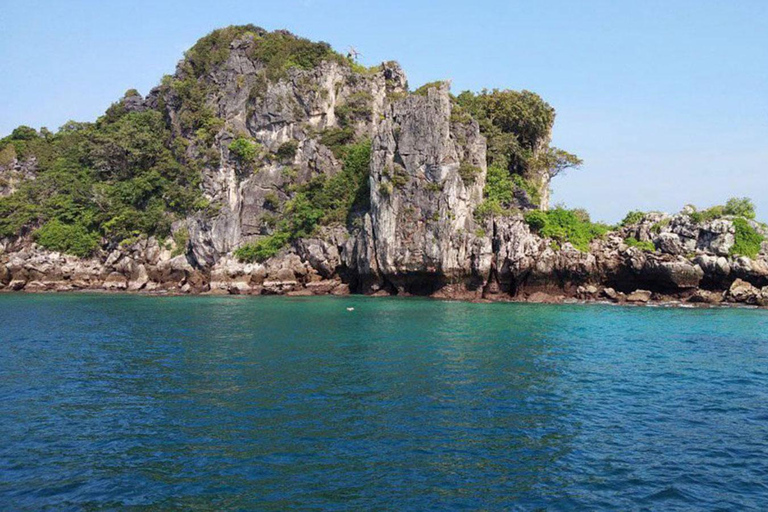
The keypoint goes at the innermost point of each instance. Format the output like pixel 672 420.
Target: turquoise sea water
pixel 115 401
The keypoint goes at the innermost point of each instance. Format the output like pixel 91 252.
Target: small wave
pixel 670 493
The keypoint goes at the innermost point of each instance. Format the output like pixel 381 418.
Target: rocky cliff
pixel 279 166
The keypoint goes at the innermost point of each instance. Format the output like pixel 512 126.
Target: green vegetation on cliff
pixel 747 241
pixel 424 89
pixel 322 201
pixel 499 192
pixel 262 249
pixel 735 206
pixel 115 178
pixel 740 207
pixel 562 225
pixel 642 245
pixel 279 50
pixel 68 238
pixel 357 107
pixel 514 123
pixel 468 173
pixel 244 151
pixel 348 191
pixel 632 217
pixel 517 126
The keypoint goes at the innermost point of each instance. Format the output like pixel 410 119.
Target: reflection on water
pixel 211 403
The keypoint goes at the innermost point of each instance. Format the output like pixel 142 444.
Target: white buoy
pixel 350 309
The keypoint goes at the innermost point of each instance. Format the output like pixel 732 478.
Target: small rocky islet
pixel 270 164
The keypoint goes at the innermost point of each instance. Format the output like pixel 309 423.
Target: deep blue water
pixel 115 401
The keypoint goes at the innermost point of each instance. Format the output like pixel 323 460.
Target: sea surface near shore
pixel 218 402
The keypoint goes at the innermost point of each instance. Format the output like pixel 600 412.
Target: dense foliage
pixel 244 151
pixel 279 50
pixel 287 150
pixel 644 245
pixel 497 195
pixel 499 187
pixel 516 126
pixel 632 217
pixel 264 248
pixel 69 238
pixel 213 49
pixel 562 225
pixel 740 207
pixel 337 139
pixel 747 241
pixel 499 192
pixel 735 206
pixel 346 192
pixel 115 178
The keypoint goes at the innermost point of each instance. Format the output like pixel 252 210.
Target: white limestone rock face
pixel 422 209
pixel 516 251
pixel 639 296
pixel 744 292
pixel 716 237
pixel 670 243
pixel 13 171
pixel 293 109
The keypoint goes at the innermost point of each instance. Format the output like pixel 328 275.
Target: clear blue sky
pixel 666 101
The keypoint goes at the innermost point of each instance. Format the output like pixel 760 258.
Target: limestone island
pixel 271 164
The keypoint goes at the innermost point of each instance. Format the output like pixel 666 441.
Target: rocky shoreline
pixel 535 298
pixel 524 268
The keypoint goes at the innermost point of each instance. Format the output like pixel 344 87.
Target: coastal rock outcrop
pixel 744 292
pixel 422 223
